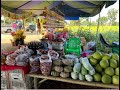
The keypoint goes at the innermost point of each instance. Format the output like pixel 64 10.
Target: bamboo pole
pixel 97 32
pixel 35 83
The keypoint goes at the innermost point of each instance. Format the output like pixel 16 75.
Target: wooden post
pixel 89 24
pixel 35 83
pixel 40 82
pixel 23 24
pixel 97 32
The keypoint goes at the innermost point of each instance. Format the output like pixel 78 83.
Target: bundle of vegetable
pixel 106 67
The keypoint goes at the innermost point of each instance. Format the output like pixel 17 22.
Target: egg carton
pixel 4 83
pixel 4 74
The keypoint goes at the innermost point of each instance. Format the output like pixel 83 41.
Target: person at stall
pixel 19 26
pixel 49 35
pixel 38 27
pixel 14 26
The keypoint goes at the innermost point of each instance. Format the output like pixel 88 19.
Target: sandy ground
pixel 6 43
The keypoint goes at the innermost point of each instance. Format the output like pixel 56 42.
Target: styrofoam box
pixel 4 74
pixel 16 75
pixel 17 85
pixel 4 83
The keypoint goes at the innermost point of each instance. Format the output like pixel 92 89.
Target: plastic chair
pixel 73 45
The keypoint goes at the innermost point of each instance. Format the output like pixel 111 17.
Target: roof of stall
pixel 69 9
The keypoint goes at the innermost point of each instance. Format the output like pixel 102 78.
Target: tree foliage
pixel 112 15
pixel 102 20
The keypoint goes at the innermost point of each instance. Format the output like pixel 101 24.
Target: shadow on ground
pixel 62 85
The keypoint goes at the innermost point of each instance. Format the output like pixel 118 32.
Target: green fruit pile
pixel 106 67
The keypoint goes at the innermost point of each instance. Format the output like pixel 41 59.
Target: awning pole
pixel 97 31
pixel 89 24
pixel 24 24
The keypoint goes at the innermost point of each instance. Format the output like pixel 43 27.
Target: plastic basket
pixel 16 74
pixel 4 74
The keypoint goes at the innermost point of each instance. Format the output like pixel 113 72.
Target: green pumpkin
pixel 54 73
pixel 58 68
pixel 57 62
pixel 67 69
pixel 64 74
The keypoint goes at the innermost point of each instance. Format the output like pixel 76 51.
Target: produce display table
pixel 68 80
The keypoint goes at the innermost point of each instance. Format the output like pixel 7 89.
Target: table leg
pixel 35 83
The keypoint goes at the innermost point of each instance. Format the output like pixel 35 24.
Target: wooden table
pixel 68 80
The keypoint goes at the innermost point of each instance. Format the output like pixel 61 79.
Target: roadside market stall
pixel 63 62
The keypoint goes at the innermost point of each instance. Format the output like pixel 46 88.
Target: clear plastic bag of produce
pixel 19 51
pixel 90 45
pixel 34 64
pixel 22 60
pixel 10 59
pixel 29 52
pixel 53 54
pixel 45 64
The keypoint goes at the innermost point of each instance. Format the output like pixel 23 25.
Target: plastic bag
pixel 53 54
pixel 19 51
pixel 10 59
pixel 45 64
pixel 34 64
pixel 90 45
pixel 29 52
pixel 22 60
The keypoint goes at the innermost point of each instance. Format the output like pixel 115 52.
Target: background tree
pixel 112 14
pixel 103 20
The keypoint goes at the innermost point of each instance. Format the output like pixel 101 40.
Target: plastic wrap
pixel 53 54
pixel 34 64
pixel 45 64
pixel 10 59
pixel 22 60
